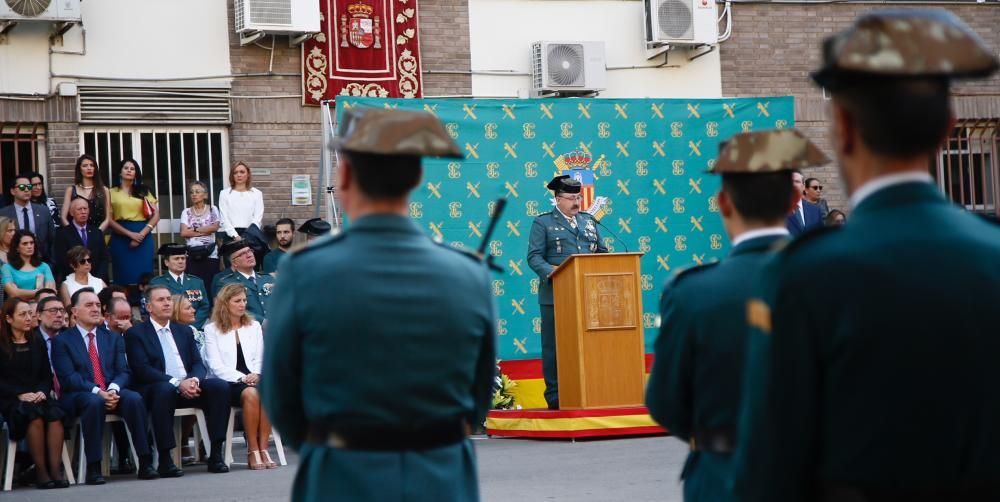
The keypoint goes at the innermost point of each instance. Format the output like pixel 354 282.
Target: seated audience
pixel 25 273
pixel 80 232
pixel 118 319
pixel 25 387
pixel 184 313
pixel 835 218
pixel 79 260
pixel 93 376
pixel 181 283
pixel 235 347
pixel 168 370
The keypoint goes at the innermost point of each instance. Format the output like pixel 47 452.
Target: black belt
pixel 389 438
pixel 963 492
pixel 715 441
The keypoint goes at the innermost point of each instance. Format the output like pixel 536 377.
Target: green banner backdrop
pixel 648 156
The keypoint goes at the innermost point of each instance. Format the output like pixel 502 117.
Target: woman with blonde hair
pixel 7 229
pixel 234 344
pixel 184 313
pixel 240 205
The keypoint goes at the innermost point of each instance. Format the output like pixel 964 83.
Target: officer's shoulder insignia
pixel 690 271
pixel 808 237
pixel 759 315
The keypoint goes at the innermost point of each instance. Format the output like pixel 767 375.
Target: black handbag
pixel 199 253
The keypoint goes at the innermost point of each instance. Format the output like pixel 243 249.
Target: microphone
pixel 612 233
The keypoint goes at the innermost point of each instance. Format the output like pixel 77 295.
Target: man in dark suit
pixel 93 376
pixel 805 215
pixel 31 216
pixel 695 385
pixel 169 373
pixel 80 233
pixel 881 384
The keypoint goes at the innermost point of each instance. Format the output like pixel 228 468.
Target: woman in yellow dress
pixel 131 245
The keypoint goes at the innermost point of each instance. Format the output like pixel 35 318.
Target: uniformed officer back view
pixel 696 380
pixel 874 348
pixel 380 347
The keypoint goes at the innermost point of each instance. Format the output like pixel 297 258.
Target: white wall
pixel 502 31
pixel 144 39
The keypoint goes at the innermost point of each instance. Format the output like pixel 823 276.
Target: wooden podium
pixel 599 340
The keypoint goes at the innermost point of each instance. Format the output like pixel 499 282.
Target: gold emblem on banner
pixel 695 147
pixel 762 108
pixel 649 320
pixel 508 111
pixel 678 167
pixel 498 287
pixel 493 170
pixel 515 267
pixel 641 168
pixel 455 210
pixel 647 282
pixel 680 243
pixel 531 208
pixel 528 130
pixel 546 111
pixel 696 223
pixel 693 110
pixel 658 148
pixel 713 204
pixel 584 110
pixel 663 262
pixel 603 130
pixel 657 110
pixel 676 129
pixel 660 186
pixel 518 305
pixel 501 327
pixel 416 210
pixel 475 230
pixel 712 129
pixel 536 325
pixel 621 111
pixel 530 169
pixel 746 125
pixel 490 131
pixel 642 205
pixel 496 248
pixel 780 124
pixel 678 204
pixel 625 225
pixel 520 345
pixel 452 129
pixel 454 170
pixel 533 286
pixel 640 129
pixel 661 224
pixel 716 241
pixel 566 130
pixel 644 246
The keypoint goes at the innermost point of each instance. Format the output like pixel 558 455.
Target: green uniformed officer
pixel 555 236
pixel 259 286
pixel 380 347
pixel 872 371
pixel 695 384
pixel 181 283
pixel 284 235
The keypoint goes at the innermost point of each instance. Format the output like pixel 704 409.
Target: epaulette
pixel 314 244
pixel 462 251
pixel 689 271
pixel 807 237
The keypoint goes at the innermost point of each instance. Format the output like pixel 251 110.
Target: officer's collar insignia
pixel 194 295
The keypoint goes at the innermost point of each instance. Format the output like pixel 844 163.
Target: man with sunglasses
pixel 555 236
pixel 80 232
pixel 31 216
pixel 814 194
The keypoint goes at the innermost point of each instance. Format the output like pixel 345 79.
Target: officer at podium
pixel 555 236
pixel 695 384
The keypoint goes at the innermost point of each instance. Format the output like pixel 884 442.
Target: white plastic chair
pixel 11 452
pixel 106 457
pixel 229 440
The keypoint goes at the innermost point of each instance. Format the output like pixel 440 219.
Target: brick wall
pixel 774 46
pixel 281 135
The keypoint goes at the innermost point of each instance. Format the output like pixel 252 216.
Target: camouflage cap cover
pixel 904 44
pixel 381 131
pixel 767 152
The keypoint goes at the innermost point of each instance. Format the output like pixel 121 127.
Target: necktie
pixel 55 379
pixel 83 236
pixel 27 222
pixel 169 355
pixel 95 362
pixel 802 217
pixel 572 222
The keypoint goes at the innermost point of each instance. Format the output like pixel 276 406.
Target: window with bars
pixel 967 167
pixel 22 148
pixel 169 159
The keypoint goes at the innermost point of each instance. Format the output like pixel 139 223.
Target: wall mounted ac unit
pixel 277 17
pixel 40 10
pixel 680 23
pixel 568 68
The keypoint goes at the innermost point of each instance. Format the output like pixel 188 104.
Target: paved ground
pixel 642 469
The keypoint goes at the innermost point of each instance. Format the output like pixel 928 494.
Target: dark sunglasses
pixel 84 260
pixel 817 187
pixel 23 186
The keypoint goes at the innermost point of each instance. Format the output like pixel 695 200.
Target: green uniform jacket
pixel 553 240
pixel 380 326
pixel 271 260
pixel 258 291
pixel 193 288
pixel 873 354
pixel 695 382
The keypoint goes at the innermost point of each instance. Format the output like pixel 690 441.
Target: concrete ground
pixel 638 469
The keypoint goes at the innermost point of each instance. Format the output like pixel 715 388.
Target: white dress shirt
pixel 169 347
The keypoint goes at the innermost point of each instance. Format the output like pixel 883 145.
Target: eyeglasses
pixel 817 187
pixel 84 260
pixel 55 310
pixel 39 184
pixel 23 186
pixel 570 197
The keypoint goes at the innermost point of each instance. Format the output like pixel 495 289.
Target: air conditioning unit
pixel 680 23
pixel 568 68
pixel 40 10
pixel 277 17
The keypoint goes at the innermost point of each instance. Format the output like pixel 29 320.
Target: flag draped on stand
pixel 364 48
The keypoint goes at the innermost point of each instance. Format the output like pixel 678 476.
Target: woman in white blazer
pixel 234 344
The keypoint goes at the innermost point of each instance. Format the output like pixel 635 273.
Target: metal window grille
pixel 169 159
pixel 22 148
pixel 967 167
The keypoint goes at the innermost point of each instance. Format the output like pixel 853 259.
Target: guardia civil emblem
pixel 577 165
pixel 360 27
